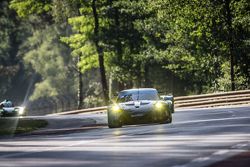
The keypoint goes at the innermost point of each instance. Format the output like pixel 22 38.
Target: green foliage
pixel 224 81
pixel 7 25
pixel 81 42
pixel 193 39
pixel 188 41
pixel 12 33
pixel 93 95
pixel 64 9
pixel 48 57
pixel 27 7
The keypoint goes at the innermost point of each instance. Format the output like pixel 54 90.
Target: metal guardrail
pixel 223 94
pixel 96 109
pixel 213 100
pixel 194 101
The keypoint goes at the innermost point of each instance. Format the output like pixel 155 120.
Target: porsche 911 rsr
pixel 135 106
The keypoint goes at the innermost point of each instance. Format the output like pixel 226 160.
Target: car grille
pixel 132 104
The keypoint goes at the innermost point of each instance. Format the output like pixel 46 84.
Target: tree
pixel 43 50
pixel 48 58
pixel 193 39
pixel 12 33
pixel 43 9
pixel 99 51
pixel 190 42
pixel 8 66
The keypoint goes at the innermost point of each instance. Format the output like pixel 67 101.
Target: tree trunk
pixel 118 41
pixel 147 82
pixel 80 91
pixel 100 53
pixel 118 44
pixel 231 42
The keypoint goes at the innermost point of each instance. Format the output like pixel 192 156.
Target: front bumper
pixel 128 117
pixel 9 113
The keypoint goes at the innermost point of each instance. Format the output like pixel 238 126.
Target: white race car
pixel 7 109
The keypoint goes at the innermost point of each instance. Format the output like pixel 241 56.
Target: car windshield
pixel 126 96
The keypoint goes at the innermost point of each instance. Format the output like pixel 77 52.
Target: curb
pixel 65 130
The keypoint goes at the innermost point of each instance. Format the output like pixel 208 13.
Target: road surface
pixel 198 137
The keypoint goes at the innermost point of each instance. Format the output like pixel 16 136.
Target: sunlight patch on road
pixel 29 162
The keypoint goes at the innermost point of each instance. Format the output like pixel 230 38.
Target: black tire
pixel 115 125
pixel 169 120
pixel 166 119
pixel 172 108
pixel 112 123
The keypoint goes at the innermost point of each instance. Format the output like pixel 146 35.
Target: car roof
pixel 140 89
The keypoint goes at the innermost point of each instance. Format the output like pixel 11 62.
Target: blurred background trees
pixel 91 49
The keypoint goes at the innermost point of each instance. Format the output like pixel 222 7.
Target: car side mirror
pixel 167 97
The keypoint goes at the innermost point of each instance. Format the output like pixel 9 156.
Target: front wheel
pixel 169 120
pixel 166 120
pixel 114 122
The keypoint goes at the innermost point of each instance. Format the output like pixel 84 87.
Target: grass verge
pixel 10 126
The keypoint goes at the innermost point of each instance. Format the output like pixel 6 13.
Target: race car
pixel 169 99
pixel 135 106
pixel 7 109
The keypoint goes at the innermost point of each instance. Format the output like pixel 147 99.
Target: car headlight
pixel 158 105
pixel 21 111
pixel 116 108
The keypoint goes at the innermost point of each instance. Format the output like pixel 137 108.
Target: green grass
pixel 10 126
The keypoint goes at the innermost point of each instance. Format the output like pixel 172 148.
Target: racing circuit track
pixel 197 137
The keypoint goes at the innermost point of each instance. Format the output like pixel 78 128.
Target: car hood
pixel 137 104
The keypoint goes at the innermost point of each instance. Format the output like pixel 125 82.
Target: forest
pixel 91 49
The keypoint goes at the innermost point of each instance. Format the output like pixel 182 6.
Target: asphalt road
pixel 197 137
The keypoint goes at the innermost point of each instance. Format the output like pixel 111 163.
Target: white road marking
pixel 239 146
pixel 201 159
pixel 221 152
